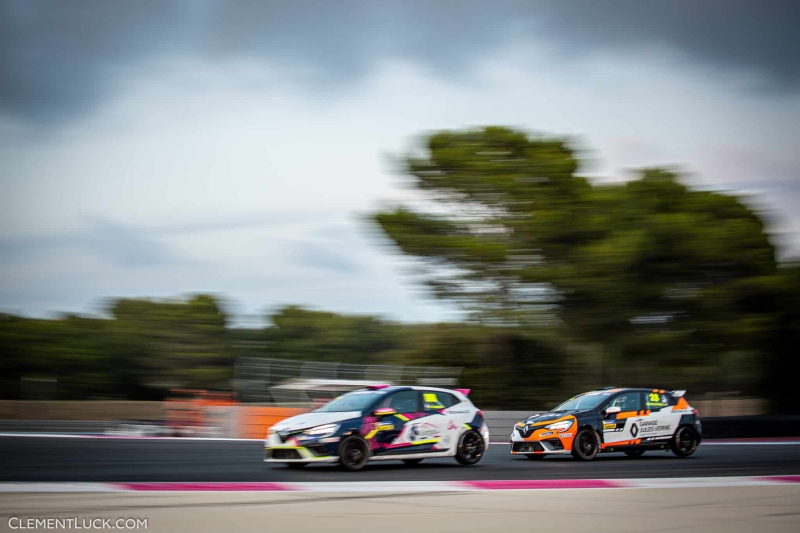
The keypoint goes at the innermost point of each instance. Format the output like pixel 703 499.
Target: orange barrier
pixel 254 421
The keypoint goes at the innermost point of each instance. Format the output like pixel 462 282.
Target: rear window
pixel 658 400
pixel 436 400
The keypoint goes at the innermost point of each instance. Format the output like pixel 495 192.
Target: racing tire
pixel 535 456
pixel 684 443
pixel 412 462
pixel 470 448
pixel 634 453
pixel 353 453
pixel 295 466
pixel 586 445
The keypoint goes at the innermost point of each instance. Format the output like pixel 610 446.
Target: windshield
pixel 588 400
pixel 352 401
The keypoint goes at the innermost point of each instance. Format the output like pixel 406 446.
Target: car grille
pixel 527 431
pixel 283 455
pixel 527 447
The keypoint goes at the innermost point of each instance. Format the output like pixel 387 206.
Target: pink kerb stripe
pixel 542 484
pixel 783 479
pixel 205 487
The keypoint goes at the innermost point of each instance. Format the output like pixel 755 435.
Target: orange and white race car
pixel 611 419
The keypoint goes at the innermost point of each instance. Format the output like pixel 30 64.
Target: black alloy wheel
pixel 353 453
pixel 470 448
pixel 684 443
pixel 586 445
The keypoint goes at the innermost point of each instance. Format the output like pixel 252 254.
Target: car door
pixel 621 428
pixel 390 431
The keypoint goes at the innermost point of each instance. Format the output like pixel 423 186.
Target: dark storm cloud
pixel 61 58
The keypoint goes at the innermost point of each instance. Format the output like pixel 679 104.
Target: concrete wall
pixel 80 410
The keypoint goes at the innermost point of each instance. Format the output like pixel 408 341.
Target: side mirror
pixel 613 410
pixel 384 411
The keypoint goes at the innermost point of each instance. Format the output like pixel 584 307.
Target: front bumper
pixel 542 441
pixel 295 454
pixel 300 450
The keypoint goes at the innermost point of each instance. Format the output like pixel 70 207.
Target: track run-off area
pixel 224 485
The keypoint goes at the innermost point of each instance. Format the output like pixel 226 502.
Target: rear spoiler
pixel 465 392
pixel 678 393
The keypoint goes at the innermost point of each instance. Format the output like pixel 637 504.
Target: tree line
pixel 567 285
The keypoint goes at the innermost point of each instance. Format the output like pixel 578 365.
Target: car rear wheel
pixel 470 448
pixel 412 462
pixel 635 453
pixel 684 443
pixel 586 445
pixel 353 453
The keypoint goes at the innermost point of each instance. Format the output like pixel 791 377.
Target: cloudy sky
pixel 160 148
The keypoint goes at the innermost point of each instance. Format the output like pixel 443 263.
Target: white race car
pixel 382 423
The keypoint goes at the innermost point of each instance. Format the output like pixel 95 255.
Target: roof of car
pixel 396 388
pixel 620 389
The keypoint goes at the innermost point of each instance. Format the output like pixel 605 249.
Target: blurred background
pixel 209 200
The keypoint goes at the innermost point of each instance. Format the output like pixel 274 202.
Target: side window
pixel 627 401
pixel 657 400
pixel 406 401
pixel 435 400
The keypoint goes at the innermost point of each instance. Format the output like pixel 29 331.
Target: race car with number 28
pixel 632 421
pixel 382 423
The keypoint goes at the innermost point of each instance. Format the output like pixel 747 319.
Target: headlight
pixel 560 426
pixel 322 431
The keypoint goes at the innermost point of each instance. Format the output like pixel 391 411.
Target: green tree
pixel 646 269
pixel 302 334
pixel 174 344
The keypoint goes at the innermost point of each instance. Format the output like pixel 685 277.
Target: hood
pixel 309 420
pixel 550 416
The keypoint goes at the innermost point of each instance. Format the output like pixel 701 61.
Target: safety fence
pixel 262 379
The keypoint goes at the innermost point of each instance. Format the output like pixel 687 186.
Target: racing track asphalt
pixel 101 459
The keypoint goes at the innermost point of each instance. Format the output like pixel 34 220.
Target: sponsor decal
pixel 423 431
pixel 384 427
pixel 546 433
pixel 652 426
pixel 565 435
pixel 634 430
pixel 611 425
pixel 462 412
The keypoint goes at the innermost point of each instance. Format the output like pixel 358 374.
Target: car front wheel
pixel 586 445
pixel 353 453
